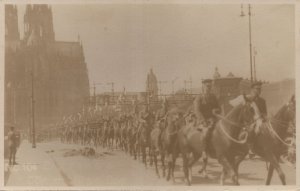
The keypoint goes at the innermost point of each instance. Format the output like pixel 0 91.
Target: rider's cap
pixel 256 84
pixel 206 81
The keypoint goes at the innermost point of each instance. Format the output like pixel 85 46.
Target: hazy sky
pixel 122 42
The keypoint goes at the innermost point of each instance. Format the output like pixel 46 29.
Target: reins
pixel 231 138
pixel 234 124
pixel 270 127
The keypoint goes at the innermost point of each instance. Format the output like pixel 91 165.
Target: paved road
pixel 115 168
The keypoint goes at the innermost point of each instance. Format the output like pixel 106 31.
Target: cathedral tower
pixel 38 19
pixel 11 23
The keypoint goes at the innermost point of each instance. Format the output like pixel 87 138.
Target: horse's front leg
pixel 186 168
pixel 204 164
pixel 270 174
pixel 227 169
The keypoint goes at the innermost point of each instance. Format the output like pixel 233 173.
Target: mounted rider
pixel 161 114
pixel 205 104
pixel 260 102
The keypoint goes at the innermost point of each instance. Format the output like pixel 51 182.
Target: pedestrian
pixel 12 145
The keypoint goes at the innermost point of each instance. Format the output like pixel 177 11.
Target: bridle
pixel 222 119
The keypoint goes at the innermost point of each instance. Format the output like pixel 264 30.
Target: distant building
pixel 59 69
pixel 227 88
pixel 151 85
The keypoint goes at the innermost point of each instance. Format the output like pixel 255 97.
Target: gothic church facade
pixel 55 72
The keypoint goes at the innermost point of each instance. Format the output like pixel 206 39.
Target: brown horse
pixel 191 139
pixel 229 137
pixel 269 142
pixel 174 120
pixel 155 148
pixel 143 139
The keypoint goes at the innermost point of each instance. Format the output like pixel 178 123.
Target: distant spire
pixel 217 74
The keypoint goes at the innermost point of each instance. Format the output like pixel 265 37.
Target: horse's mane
pixel 280 112
pixel 234 111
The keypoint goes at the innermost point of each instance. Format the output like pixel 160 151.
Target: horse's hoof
pixel 187 183
pixel 168 178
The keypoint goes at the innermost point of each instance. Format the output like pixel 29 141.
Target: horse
pixel 269 142
pixel 229 137
pixel 191 140
pixel 155 147
pixel 174 119
pixel 144 140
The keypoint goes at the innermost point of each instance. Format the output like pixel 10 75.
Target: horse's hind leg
pixel 227 169
pixel 155 163
pixel 162 158
pixel 204 165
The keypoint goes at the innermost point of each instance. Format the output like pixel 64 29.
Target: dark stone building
pixel 56 71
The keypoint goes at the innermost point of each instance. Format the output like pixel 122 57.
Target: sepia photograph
pixel 147 94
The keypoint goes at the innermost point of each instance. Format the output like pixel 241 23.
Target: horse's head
pixel 244 111
pixel 287 112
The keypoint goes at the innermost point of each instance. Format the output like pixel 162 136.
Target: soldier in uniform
pixel 12 145
pixel 260 102
pixel 262 107
pixel 163 111
pixel 205 105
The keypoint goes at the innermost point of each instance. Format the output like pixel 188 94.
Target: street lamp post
pixel 173 82
pixel 160 83
pixel 250 38
pixel 32 109
pixel 185 85
pixel 254 64
pixel 112 90
pixel 94 92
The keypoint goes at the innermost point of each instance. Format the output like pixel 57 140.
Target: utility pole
pixel 160 83
pixel 173 82
pixel 185 85
pixel 95 98
pixel 254 64
pixel 250 38
pixel 112 90
pixel 32 109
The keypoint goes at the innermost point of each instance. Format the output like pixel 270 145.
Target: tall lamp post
pixel 160 83
pixel 173 82
pixel 250 38
pixel 32 108
pixel 112 90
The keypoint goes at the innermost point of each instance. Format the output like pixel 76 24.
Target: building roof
pixel 68 48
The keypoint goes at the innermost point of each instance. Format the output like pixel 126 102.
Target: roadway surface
pixel 48 165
